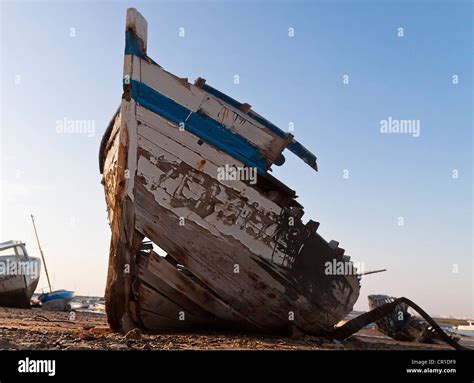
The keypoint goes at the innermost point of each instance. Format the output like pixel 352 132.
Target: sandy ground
pixel 39 329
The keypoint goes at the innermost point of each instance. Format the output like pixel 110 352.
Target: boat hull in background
pixel 17 290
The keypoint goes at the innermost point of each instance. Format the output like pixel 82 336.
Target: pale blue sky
pixel 56 177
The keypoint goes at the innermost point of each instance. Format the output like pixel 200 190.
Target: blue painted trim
pixel 131 45
pixel 295 147
pixel 132 48
pixel 303 153
pixel 55 295
pixel 201 125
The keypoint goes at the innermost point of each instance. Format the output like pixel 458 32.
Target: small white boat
pixel 468 327
pixel 19 275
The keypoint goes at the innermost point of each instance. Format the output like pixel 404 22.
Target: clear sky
pixel 50 72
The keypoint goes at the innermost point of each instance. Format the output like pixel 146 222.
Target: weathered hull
pixel 229 262
pixel 17 298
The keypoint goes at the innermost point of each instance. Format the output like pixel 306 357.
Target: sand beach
pixel 37 329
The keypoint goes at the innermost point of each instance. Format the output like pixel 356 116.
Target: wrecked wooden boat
pixel 19 275
pixel 186 167
pixel 399 324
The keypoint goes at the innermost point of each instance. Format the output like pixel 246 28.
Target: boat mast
pixel 372 272
pixel 41 252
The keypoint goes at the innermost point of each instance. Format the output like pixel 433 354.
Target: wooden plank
pixel 109 173
pixel 194 98
pixel 156 321
pixel 188 148
pixel 178 302
pixel 168 84
pixel 224 212
pixel 157 300
pixel 125 239
pixel 156 270
pixel 253 291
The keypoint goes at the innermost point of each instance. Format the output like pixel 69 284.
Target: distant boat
pixel 58 300
pixel 469 327
pixel 19 275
